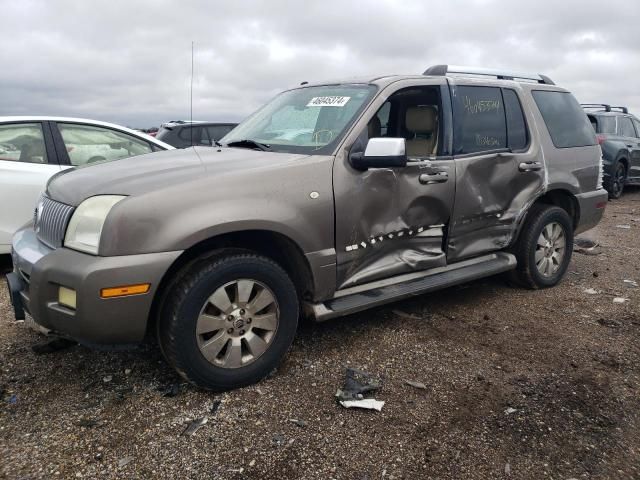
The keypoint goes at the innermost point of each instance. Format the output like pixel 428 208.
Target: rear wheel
pixel 229 321
pixel 615 183
pixel 544 248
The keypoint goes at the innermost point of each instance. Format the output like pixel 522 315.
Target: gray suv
pixel 618 134
pixel 330 199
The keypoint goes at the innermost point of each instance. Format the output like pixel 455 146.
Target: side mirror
pixel 381 153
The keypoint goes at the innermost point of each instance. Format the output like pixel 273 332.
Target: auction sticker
pixel 328 101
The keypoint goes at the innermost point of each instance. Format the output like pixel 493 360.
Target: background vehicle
pixel 330 199
pixel 182 134
pixel 32 149
pixel 619 137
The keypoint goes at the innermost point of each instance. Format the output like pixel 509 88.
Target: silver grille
pixel 51 221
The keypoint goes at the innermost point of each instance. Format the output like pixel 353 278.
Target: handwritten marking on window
pixel 480 106
pixel 486 141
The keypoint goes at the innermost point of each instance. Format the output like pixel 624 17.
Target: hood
pixel 156 171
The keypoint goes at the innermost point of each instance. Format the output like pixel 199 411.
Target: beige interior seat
pixel 422 122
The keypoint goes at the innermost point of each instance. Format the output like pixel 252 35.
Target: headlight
pixel 85 226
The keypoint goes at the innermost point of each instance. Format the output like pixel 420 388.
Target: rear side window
pixel 566 121
pixel 89 144
pixel 479 120
pixel 200 135
pixel 636 123
pixel 606 125
pixel 517 137
pixel 216 132
pixel 625 127
pixel 22 142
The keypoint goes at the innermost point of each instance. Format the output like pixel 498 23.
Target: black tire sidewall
pixel 550 216
pixel 188 359
pixel 612 181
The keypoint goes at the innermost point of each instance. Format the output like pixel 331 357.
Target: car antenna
pixel 191 98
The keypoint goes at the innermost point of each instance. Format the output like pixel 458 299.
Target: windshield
pixel 306 120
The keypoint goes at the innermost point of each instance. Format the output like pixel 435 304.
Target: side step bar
pixel 362 297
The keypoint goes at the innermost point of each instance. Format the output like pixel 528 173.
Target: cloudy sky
pixel 129 61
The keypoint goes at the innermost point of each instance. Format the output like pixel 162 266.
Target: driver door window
pixel 87 144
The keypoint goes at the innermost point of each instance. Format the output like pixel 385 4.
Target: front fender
pixel 184 215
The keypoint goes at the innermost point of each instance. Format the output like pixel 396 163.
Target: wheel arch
pixel 558 197
pixel 273 245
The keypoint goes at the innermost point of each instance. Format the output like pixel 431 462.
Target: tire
pixel 542 224
pixel 615 183
pixel 239 309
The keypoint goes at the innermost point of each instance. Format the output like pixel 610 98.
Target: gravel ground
pixel 519 384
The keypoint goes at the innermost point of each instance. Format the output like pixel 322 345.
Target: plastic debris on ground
pixel 626 227
pixel 620 300
pixel 52 345
pixel 124 461
pixel 357 384
pixel 299 423
pixel 585 245
pixel 630 283
pixel 510 410
pixel 591 291
pixel 418 385
pixel 194 426
pixel 408 316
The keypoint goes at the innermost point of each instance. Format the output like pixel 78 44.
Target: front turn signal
pixel 125 290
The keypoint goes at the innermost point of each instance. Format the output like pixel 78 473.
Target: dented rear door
pixel 500 171
pixel 392 221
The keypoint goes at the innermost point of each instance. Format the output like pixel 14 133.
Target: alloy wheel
pixel 550 249
pixel 237 323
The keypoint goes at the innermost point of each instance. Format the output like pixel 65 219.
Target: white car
pixel 32 149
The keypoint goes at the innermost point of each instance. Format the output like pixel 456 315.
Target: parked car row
pixel 331 199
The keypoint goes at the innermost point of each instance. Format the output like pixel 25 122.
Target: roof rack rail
pixel 602 106
pixel 441 70
pixel 622 109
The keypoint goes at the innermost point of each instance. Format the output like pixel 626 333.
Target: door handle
pixel 530 166
pixel 430 178
pixel 630 145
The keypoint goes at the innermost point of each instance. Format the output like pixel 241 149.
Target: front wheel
pixel 229 321
pixel 544 248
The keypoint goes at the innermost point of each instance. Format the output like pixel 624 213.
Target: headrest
pixel 421 119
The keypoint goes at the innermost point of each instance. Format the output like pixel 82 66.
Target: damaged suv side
pixel 330 199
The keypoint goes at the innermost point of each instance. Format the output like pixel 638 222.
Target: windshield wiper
pixel 217 143
pixel 248 143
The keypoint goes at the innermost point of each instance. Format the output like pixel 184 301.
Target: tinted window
pixel 636 123
pixel 89 144
pixel 517 137
pixel 566 121
pixel 22 142
pixel 218 131
pixel 479 123
pixel 606 125
pixel 625 127
pixel 200 135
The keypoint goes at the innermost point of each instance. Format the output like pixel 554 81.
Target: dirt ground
pixel 519 384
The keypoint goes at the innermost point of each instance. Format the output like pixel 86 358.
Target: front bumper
pixel 39 272
pixel 592 205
